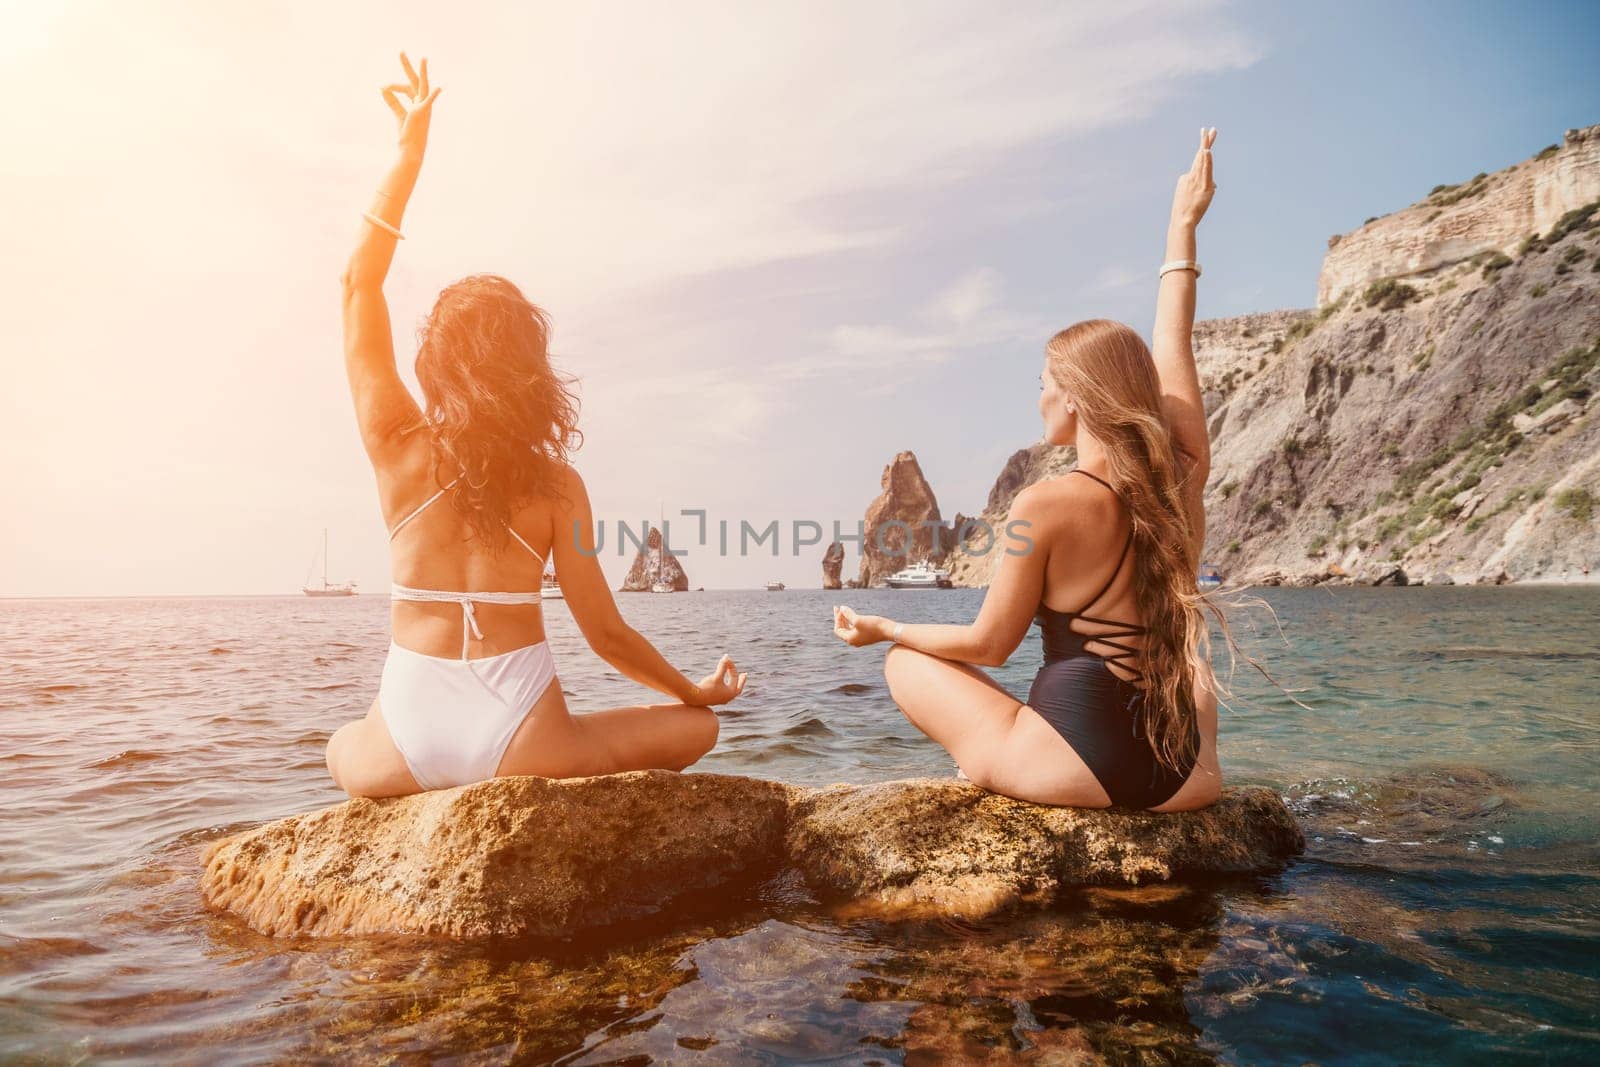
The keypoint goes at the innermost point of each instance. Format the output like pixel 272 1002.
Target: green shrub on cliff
pixel 1496 263
pixel 1388 294
pixel 1575 221
pixel 1577 502
pixel 1444 195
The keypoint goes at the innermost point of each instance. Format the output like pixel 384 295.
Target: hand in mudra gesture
pixel 1195 188
pixel 413 115
pixel 722 685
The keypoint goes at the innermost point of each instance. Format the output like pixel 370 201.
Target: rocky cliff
pixel 1435 415
pixel 1487 213
pixel 650 562
pixel 1443 420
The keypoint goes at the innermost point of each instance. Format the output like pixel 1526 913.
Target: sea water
pixel 1445 909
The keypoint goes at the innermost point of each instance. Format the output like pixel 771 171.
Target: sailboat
pixel 661 585
pixel 549 588
pixel 328 588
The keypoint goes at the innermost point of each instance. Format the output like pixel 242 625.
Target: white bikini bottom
pixel 452 719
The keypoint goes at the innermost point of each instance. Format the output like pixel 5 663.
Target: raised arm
pixel 584 588
pixel 1173 346
pixel 384 407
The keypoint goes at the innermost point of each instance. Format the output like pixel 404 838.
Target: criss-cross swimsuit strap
pixel 1119 628
pixel 469 618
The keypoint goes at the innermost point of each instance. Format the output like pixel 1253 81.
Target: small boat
pixel 776 586
pixel 919 576
pixel 549 588
pixel 1210 576
pixel 328 588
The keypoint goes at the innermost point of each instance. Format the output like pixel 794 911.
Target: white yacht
pixel 1210 576
pixel 919 576
pixel 549 588
pixel 775 586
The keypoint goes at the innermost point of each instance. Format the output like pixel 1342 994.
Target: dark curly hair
pixel 495 410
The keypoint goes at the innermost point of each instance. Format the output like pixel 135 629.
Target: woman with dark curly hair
pixel 493 444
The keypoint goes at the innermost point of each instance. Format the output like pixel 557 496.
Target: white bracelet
pixel 1180 264
pixel 895 636
pixel 380 224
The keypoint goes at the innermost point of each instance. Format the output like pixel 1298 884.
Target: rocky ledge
pixel 515 857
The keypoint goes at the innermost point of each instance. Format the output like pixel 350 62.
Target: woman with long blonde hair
pixel 469 688
pixel 1124 710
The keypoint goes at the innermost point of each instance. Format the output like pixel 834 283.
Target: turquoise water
pixel 1445 910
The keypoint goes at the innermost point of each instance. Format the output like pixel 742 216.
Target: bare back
pixel 437 550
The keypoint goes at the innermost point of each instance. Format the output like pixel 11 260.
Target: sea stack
pixel 907 514
pixel 643 573
pixel 832 565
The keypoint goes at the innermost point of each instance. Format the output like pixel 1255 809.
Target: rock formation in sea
pixel 903 524
pixel 974 562
pixel 832 565
pixel 1433 420
pixel 643 572
pixel 525 856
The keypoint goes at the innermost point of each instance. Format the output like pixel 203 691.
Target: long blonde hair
pixel 1108 371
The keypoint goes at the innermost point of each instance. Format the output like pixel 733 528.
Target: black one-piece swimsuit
pixel 1095 710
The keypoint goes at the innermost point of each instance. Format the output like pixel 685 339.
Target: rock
pixel 503 858
pixel 832 565
pixel 1440 578
pixel 642 575
pixel 1467 502
pixel 525 856
pixel 1392 576
pixel 1555 415
pixel 902 524
pixel 936 846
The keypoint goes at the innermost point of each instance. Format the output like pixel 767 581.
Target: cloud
pixel 194 176
pixel 968 314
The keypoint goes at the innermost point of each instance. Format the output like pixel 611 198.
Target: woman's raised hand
pixel 414 114
pixel 722 685
pixel 1195 187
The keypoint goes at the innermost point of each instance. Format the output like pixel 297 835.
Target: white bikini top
pixel 469 619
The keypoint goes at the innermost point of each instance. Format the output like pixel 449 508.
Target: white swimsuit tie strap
pixel 469 621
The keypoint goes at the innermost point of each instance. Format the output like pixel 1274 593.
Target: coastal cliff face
pixel 1434 420
pixel 1487 213
pixel 642 574
pixel 1445 424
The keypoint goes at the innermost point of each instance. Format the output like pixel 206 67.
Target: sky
pixel 779 243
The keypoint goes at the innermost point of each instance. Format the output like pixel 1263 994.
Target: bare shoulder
pixel 1065 503
pixel 569 492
